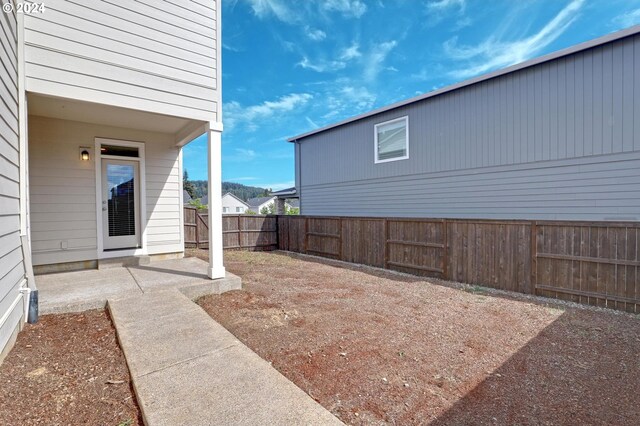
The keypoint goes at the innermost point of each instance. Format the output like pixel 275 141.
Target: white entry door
pixel 120 204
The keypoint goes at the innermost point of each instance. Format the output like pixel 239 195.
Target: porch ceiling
pixel 67 109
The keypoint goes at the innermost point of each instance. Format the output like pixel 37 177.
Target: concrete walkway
pixel 89 289
pixel 188 369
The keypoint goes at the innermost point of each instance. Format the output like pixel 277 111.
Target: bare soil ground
pixel 376 347
pixel 67 370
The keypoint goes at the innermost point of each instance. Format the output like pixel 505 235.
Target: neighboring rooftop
pixel 526 64
pixel 234 196
pixel 258 201
pixel 285 193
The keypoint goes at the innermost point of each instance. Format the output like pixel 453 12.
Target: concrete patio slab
pixel 188 274
pixel 81 290
pixel 188 369
pixel 89 289
pixel 170 273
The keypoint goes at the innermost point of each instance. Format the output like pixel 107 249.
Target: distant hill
pixel 241 191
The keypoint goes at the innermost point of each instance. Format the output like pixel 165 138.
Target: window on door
pixel 121 199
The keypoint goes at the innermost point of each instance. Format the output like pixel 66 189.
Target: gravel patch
pixel 377 347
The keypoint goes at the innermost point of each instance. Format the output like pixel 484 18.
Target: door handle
pixel 104 209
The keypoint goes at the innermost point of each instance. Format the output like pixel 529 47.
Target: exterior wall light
pixel 84 155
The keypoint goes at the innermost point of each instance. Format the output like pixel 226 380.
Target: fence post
pixel 386 243
pixel 534 257
pixel 340 238
pixel 239 233
pixel 195 218
pixel 445 250
pixel 277 232
pixel 306 235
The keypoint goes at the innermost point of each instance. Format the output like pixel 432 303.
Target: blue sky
pixel 292 66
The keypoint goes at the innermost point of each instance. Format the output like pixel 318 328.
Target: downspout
pixel 28 288
pixel 298 176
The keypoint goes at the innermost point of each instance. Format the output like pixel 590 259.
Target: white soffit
pixel 87 112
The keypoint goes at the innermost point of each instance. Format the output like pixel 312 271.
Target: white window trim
pixel 142 251
pixel 375 140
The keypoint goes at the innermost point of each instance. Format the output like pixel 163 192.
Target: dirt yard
pixel 67 370
pixel 379 348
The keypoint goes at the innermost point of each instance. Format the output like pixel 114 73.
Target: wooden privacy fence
pixel 584 262
pixel 250 232
pixel 196 228
pixel 238 231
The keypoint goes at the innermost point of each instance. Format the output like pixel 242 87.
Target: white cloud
pixel 375 59
pixel 349 8
pixel 443 5
pixel 241 178
pixel 241 155
pixel 249 117
pixel 348 100
pixel 230 48
pixel 351 52
pixel 276 186
pixel 495 53
pixel 462 23
pixel 628 19
pixel 321 65
pixel 315 34
pixel 248 153
pixel 282 10
pixel 311 122
pixel 438 10
pixel 277 8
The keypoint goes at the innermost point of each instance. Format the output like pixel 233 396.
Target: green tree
pixel 197 204
pixel 291 210
pixel 188 186
pixel 270 209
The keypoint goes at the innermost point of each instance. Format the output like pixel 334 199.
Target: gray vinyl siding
pixel 558 140
pixel 151 55
pixel 11 261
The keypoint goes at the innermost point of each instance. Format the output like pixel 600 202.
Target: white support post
pixel 214 143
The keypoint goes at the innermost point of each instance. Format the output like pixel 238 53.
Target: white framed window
pixel 239 209
pixel 391 140
pixel 225 210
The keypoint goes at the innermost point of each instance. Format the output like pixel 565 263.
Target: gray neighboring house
pixel 293 203
pixel 186 198
pixel 556 137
